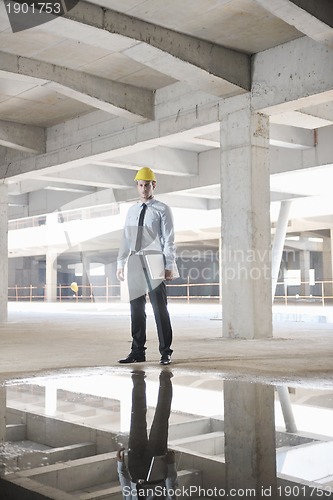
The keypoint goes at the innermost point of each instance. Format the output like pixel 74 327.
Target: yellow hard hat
pixel 145 174
pixel 74 287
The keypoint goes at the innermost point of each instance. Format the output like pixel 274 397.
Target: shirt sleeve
pixel 124 248
pixel 171 482
pixel 124 480
pixel 168 236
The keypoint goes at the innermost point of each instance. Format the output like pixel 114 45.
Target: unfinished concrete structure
pixel 230 102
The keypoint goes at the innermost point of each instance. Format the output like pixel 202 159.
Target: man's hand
pixel 120 274
pixel 120 454
pixel 168 275
pixel 170 457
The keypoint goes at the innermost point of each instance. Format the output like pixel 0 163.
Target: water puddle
pixel 113 434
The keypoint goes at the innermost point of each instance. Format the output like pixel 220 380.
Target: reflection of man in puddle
pixel 148 469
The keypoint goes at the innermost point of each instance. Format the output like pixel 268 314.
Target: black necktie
pixel 138 242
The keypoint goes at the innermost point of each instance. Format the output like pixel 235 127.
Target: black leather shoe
pixel 165 359
pixel 131 358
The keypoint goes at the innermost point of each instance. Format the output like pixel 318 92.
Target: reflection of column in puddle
pixel 51 391
pixel 249 427
pixel 2 414
pixel 3 400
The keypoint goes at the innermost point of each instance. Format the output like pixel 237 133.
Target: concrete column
pixel 51 276
pixel 110 279
pixel 304 261
pixel 125 412
pixel 249 429
pixel 86 291
pixel 277 251
pixel 328 264
pixel 286 408
pixel 278 243
pixel 220 269
pixel 245 201
pixel 3 252
pixel 3 402
pixel 51 394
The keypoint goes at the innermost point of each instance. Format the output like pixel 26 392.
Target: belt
pixel 145 252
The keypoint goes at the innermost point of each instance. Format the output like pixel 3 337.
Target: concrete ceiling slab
pixel 221 22
pixel 162 60
pixel 33 112
pixel 303 119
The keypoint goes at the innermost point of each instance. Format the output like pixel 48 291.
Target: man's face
pixel 145 189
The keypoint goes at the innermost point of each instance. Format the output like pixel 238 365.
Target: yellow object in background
pixel 74 287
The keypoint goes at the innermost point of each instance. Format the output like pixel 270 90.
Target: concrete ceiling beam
pixel 291 137
pixel 282 81
pixel 93 175
pixel 311 246
pixel 26 138
pixel 101 197
pixel 322 112
pixel 59 197
pixel 162 160
pixel 119 138
pixel 25 186
pixel 18 200
pixel 215 69
pixel 314 19
pixel 301 119
pixel 177 200
pixel 207 192
pixel 30 185
pixel 278 196
pixel 208 175
pixel 113 97
pixel 309 224
pixel 116 138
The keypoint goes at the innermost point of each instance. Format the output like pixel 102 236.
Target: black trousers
pixel 139 285
pixel 141 447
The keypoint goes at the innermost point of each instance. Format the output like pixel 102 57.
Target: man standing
pixel 147 242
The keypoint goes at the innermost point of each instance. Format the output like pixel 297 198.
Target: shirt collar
pixel 148 202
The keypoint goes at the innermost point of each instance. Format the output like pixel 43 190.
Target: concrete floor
pixel 45 337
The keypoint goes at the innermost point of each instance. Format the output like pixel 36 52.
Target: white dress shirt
pixel 168 486
pixel 157 236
